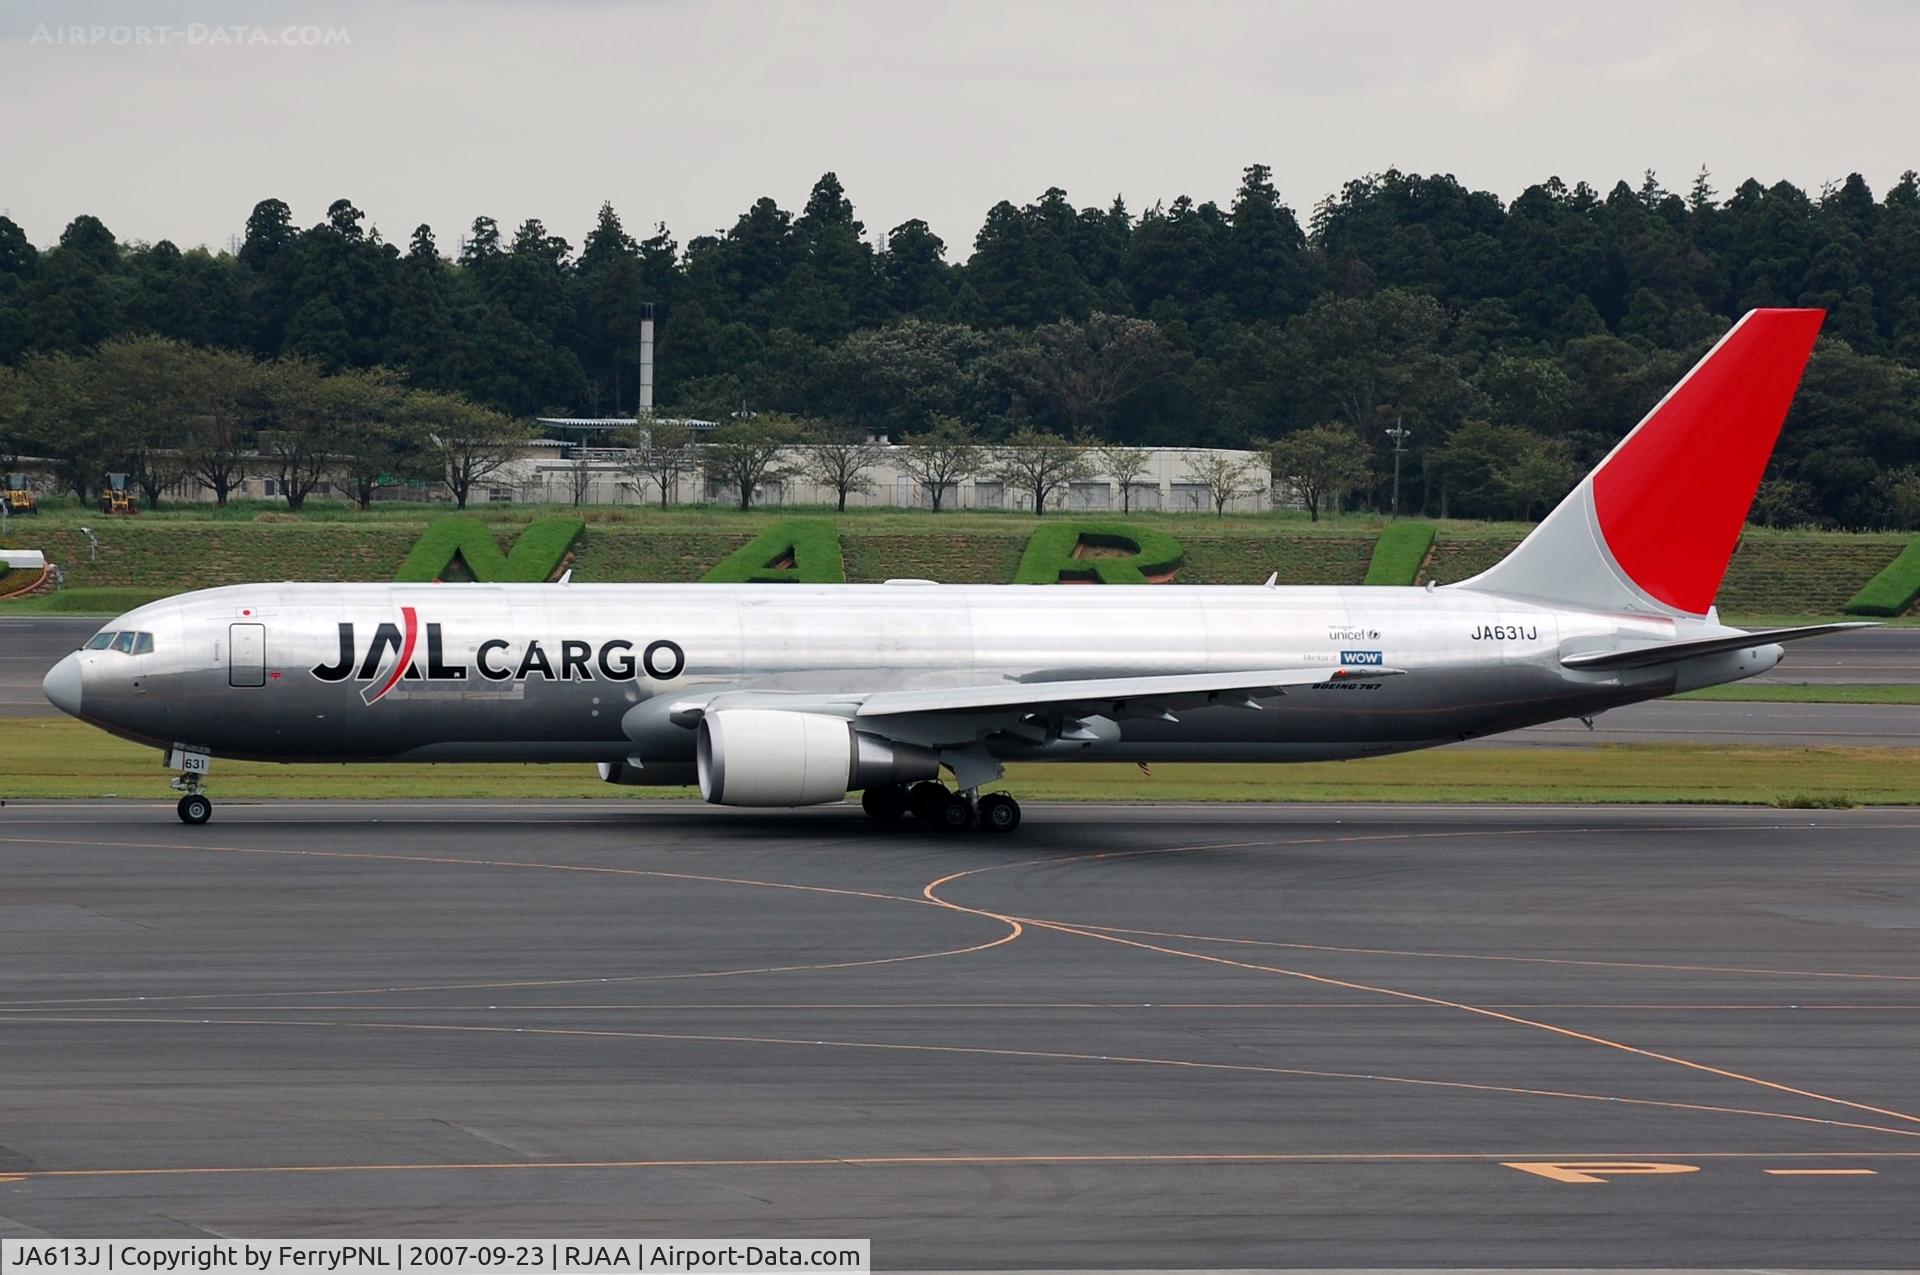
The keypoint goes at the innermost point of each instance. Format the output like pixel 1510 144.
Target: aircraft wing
pixel 1110 695
pixel 1669 652
pixel 1008 702
pixel 958 720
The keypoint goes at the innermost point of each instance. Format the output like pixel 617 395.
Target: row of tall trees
pixel 164 412
pixel 1403 301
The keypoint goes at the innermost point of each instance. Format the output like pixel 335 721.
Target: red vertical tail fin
pixel 1655 524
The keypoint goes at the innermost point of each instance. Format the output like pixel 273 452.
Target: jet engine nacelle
pixel 769 757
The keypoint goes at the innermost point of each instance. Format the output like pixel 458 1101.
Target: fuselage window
pixel 143 644
pixel 123 642
pixel 100 641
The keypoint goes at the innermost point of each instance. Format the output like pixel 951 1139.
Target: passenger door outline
pixel 246 655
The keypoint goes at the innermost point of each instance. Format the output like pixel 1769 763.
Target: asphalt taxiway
pixel 1864 655
pixel 1146 1036
pixel 29 646
pixel 1677 721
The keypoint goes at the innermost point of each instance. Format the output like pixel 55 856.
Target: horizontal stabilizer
pixel 1669 652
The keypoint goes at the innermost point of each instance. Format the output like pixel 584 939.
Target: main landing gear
pixel 942 807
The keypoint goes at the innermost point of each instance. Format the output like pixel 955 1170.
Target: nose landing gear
pixel 195 807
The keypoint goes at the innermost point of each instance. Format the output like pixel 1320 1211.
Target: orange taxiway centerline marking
pixel 929 1161
pixel 993 1052
pixel 1820 1173
pixel 930 892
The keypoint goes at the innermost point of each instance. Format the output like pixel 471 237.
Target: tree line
pixel 1514 340
pixel 165 413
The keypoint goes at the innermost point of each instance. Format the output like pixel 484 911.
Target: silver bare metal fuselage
pixel 548 673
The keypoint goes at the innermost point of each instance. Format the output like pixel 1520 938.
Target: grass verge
pixel 83 601
pixel 1810 693
pixel 1794 619
pixel 195 546
pixel 55 757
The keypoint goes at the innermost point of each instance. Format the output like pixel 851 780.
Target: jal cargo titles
pixel 576 660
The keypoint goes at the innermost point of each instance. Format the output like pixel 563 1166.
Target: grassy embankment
pixel 1810 693
pixel 176 549
pixel 38 759
pixel 1775 577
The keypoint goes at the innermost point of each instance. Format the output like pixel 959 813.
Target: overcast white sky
pixel 686 110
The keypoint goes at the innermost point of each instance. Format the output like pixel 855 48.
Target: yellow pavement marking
pixel 1821 1173
pixel 1596 1172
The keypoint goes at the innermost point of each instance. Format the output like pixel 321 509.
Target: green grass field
pixel 1774 574
pixel 49 757
pixel 1792 619
pixel 80 602
pixel 191 547
pixel 1810 693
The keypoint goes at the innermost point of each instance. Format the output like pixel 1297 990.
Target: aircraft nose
pixel 61 685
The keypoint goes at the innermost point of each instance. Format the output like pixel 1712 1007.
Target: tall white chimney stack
pixel 646 360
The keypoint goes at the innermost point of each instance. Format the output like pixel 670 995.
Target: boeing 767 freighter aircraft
pixel 797 695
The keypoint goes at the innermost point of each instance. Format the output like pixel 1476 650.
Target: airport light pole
pixel 1399 434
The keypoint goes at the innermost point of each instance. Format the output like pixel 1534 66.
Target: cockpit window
pixel 126 641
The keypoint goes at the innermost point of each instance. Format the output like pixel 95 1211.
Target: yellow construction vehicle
pixel 19 496
pixel 116 497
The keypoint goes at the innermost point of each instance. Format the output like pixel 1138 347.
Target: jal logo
pixel 570 660
pixel 1362 657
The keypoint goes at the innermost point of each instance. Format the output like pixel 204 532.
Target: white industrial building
pixel 558 471
pixel 566 471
